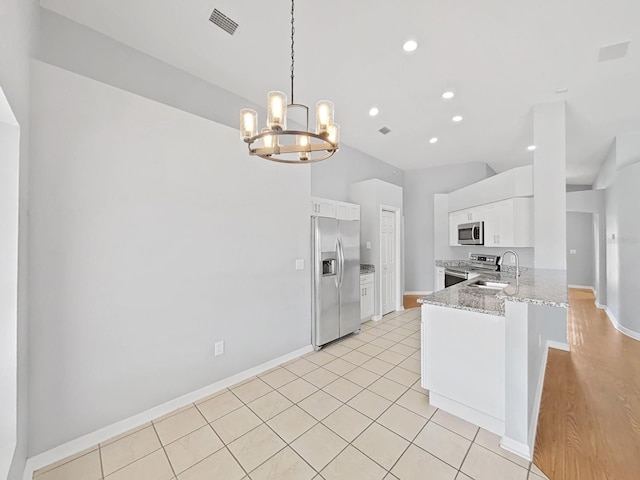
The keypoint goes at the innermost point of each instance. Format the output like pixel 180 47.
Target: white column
pixel 549 180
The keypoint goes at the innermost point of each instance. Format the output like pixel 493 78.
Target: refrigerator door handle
pixel 341 261
pixel 338 264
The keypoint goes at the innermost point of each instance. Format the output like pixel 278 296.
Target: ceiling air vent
pixel 384 130
pixel 224 22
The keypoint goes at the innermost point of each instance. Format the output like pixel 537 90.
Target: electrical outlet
pixel 219 348
pixel 299 263
pixel 572 251
pixel 368 245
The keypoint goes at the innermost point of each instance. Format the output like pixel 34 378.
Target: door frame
pixel 397 211
pixel 9 212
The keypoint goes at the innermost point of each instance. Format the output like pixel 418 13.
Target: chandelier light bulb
pixel 324 116
pixel 277 111
pixel 373 111
pixel 267 140
pixel 248 123
pixel 334 133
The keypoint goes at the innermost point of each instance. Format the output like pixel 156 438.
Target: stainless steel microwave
pixel 471 233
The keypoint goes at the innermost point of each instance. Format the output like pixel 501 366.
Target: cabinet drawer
pixel 366 278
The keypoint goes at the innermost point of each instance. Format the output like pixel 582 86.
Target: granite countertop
pixel 367 268
pixel 538 286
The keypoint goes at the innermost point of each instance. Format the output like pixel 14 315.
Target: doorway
pixel 389 259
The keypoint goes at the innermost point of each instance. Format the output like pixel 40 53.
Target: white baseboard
pixel 583 287
pixel 558 346
pixel 418 293
pixel 621 328
pixel 601 307
pixel 376 318
pixel 90 440
pixel 516 447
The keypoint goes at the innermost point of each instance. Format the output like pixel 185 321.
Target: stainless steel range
pixel 476 266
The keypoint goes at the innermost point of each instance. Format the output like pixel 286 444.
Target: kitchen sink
pixel 489 285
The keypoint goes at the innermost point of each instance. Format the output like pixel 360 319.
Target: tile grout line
pixel 101 466
pixel 175 475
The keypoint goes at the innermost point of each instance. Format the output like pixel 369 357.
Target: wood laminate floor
pixel 411 301
pixel 589 424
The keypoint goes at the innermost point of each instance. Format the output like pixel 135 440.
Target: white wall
pixel 18 36
pixel 549 177
pixel 607 172
pixel 420 222
pixel 154 234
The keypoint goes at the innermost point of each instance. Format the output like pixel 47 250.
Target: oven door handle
pixel 456 274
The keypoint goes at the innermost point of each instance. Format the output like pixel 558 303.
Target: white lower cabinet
pixel 366 296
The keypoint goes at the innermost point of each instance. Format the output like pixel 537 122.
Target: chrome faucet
pixel 517 261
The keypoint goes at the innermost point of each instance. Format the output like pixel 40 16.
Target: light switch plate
pixel 368 245
pixel 219 348
pixel 572 251
pixel 299 263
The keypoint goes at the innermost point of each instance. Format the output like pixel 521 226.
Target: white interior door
pixel 388 260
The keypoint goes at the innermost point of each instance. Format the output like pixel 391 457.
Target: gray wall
pixel 18 36
pixel 619 178
pixel 332 178
pixel 623 247
pixel 150 226
pixel 580 237
pixel 419 188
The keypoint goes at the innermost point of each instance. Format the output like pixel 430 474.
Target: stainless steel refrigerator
pixel 336 279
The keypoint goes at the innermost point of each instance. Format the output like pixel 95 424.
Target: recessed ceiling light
pixel 562 90
pixel 448 95
pixel 410 45
pixel 531 148
pixel 457 118
pixel 433 140
pixel 373 111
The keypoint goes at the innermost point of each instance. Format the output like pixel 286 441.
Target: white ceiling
pixel 500 57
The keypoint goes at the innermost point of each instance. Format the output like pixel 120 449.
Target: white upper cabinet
pixel 322 207
pixel 507 223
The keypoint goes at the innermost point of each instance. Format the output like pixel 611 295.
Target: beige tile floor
pixel 352 411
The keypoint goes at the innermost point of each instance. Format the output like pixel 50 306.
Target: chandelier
pixel 275 142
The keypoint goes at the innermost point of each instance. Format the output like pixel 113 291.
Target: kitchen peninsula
pixel 484 350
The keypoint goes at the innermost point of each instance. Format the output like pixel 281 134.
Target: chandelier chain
pixel 293 31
